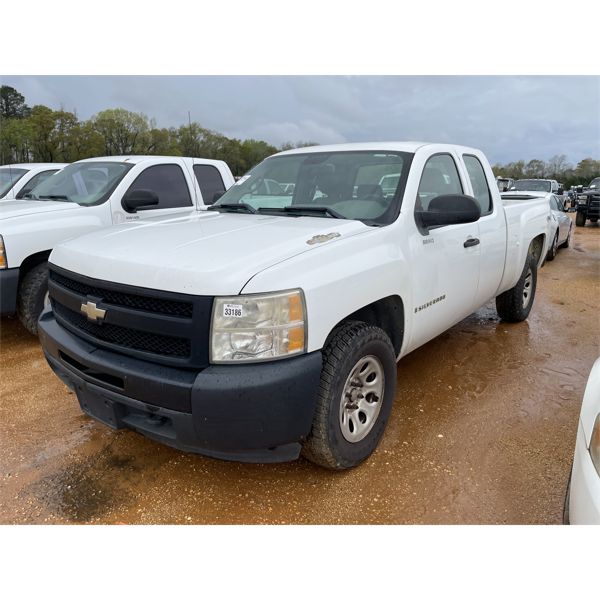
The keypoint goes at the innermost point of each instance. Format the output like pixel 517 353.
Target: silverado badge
pixel 319 239
pixel 92 312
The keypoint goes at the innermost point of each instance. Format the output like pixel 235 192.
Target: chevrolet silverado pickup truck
pixel 89 195
pixel 286 340
pixel 16 181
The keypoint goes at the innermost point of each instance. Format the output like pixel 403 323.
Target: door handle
pixel 471 242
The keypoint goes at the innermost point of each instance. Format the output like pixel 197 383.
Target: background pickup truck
pixel 18 180
pixel 88 195
pixel 588 204
pixel 287 339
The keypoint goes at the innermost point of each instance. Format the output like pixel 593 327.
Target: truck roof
pixel 33 165
pixel 366 146
pixel 135 158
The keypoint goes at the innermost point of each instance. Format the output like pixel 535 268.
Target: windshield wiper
pixel 55 197
pixel 234 207
pixel 309 208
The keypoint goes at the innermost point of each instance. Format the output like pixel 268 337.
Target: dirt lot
pixel 482 431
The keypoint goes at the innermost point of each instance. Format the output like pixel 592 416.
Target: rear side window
pixel 440 178
pixel 34 181
pixel 168 182
pixel 481 190
pixel 210 182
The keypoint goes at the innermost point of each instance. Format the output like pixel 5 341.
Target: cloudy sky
pixel 507 117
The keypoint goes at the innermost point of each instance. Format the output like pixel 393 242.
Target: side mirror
pixel 560 192
pixel 137 199
pixel 450 209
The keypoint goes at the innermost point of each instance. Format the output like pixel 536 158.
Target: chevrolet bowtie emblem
pixel 92 312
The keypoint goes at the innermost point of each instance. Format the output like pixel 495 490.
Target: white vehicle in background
pixel 16 181
pixel 93 194
pixel 560 225
pixel 582 506
pixel 504 183
pixel 535 185
pixel 287 338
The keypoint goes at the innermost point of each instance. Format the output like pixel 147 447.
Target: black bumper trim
pixel 9 285
pixel 253 413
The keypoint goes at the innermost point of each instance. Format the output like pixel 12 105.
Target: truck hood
pixel 11 209
pixel 209 253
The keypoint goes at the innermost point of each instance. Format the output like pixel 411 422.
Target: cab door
pixel 445 261
pixel 171 181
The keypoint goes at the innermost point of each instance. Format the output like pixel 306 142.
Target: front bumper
pixel 584 498
pixel 253 413
pixel 9 284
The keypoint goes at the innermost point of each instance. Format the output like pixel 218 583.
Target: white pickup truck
pixel 16 181
pixel 89 195
pixel 286 340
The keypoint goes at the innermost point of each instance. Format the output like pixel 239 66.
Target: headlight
pixel 582 199
pixel 3 263
pixel 595 444
pixel 258 327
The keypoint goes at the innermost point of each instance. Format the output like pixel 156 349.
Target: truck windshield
pixel 8 178
pixel 595 184
pixel 532 185
pixel 364 185
pixel 85 183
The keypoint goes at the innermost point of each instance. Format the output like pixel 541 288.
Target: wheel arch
pixel 386 313
pixel 33 260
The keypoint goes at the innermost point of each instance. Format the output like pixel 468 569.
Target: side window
pixel 481 190
pixel 210 182
pixel 168 182
pixel 35 181
pixel 440 177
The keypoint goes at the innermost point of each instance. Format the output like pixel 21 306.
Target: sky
pixel 508 117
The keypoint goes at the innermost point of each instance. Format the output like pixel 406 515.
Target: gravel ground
pixel 482 431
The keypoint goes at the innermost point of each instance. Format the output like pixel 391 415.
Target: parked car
pixel 286 340
pixel 504 183
pixel 88 195
pixel 588 204
pixel 560 224
pixel 582 506
pixel 535 185
pixel 16 181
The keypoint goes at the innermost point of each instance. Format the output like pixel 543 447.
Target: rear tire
pixel 580 220
pixel 594 220
pixel 32 295
pixel 515 304
pixel 552 251
pixel 347 425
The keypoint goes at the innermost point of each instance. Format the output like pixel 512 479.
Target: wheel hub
pixel 362 397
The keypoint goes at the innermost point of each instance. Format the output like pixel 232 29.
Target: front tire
pixel 580 220
pixel 33 294
pixel 356 393
pixel 515 304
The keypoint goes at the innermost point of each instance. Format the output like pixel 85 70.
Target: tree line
pixel 40 134
pixel 556 168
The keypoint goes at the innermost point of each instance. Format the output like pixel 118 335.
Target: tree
pixel 557 166
pixel 122 130
pixel 535 169
pixel 12 104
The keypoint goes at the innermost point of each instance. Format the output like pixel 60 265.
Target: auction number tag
pixel 232 310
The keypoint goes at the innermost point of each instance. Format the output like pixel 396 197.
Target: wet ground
pixel 482 431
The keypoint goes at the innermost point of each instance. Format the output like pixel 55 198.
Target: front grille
pixel 163 327
pixel 127 338
pixel 147 303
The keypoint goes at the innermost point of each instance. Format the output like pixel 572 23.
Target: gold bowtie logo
pixel 92 312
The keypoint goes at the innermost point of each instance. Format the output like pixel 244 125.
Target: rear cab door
pixel 492 224
pixel 211 178
pixel 170 178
